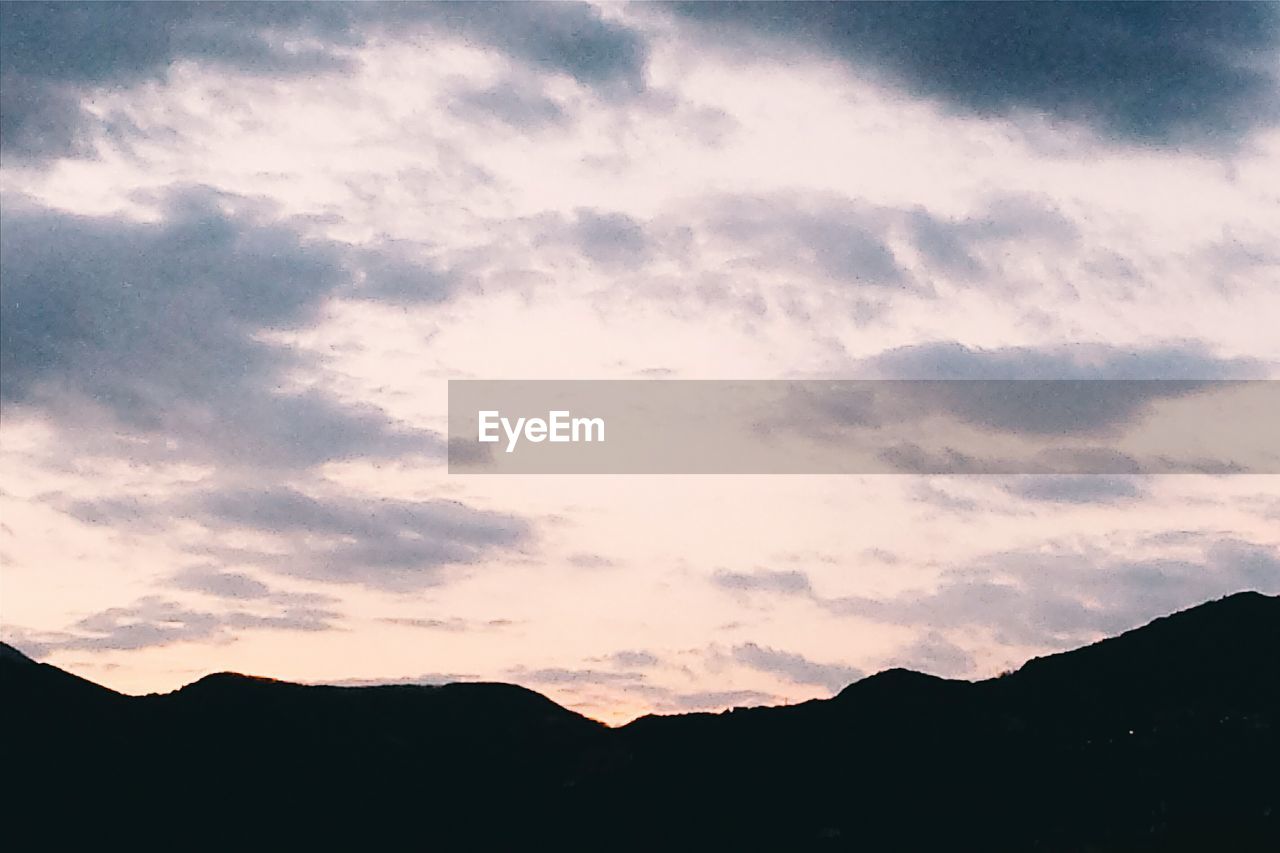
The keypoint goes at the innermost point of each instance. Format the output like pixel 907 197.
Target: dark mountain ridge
pixel 1162 738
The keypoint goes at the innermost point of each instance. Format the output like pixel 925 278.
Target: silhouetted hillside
pixel 1163 738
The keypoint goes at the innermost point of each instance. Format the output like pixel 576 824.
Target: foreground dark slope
pixel 1161 739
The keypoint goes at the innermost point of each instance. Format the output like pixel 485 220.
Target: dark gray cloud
pixel 607 239
pixel 154 330
pixel 40 120
pixel 1056 596
pixel 398 273
pixel 633 659
pixel 1185 359
pixel 1048 408
pixel 1190 72
pixel 1069 392
pixel 970 246
pixel 861 246
pixel 610 239
pixel 935 654
pixel 515 104
pixel 1059 597
pixel 943 244
pixel 1081 489
pixel 386 544
pixel 222 584
pixel 1065 398
pixel 794 667
pixel 1028 490
pixel 154 621
pixel 561 38
pixel 829 237
pixel 778 251
pixel 53 55
pixel 764 580
pixel 926 492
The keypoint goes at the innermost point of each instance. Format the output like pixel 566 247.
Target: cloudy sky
pixel 245 246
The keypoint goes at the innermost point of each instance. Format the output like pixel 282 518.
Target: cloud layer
pixel 1194 72
pixel 245 245
pixel 157 329
pixel 55 55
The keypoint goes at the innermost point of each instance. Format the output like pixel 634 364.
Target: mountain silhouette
pixel 1163 738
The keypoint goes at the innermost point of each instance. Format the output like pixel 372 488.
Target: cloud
pixel 576 677
pixel 1056 598
pixel 764 580
pixel 222 584
pixel 585 560
pixel 795 668
pixel 934 654
pixel 1186 359
pixel 426 679
pixel 1081 489
pixel 387 544
pixel 156 330
pixel 708 700
pixel 54 55
pixel 634 659
pixel 1047 597
pixel 563 38
pixel 452 624
pixel 1194 73
pixel 593 683
pixel 797 253
pixel 1055 489
pixel 398 273
pixel 1067 397
pixel 514 104
pixel 927 492
pixel 1068 406
pixel 762 247
pixel 966 247
pixel 610 239
pixel 829 237
pixel 606 239
pixel 153 621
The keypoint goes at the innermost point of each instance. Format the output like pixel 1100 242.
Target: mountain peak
pixel 9 654
pixel 1236 626
pixel 1150 740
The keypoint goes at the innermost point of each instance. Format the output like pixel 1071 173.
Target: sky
pixel 245 246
